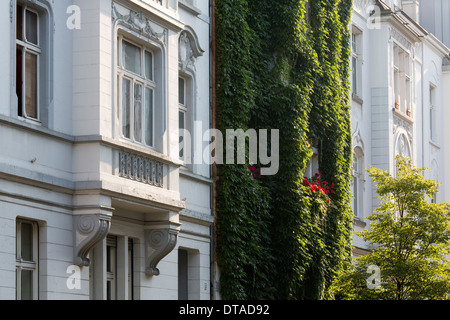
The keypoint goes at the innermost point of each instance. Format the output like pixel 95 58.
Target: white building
pixel 434 16
pixel 92 178
pixel 399 100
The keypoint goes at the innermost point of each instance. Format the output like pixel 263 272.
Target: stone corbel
pixel 160 240
pixel 89 230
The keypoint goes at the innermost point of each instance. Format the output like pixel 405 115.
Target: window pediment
pixel 189 49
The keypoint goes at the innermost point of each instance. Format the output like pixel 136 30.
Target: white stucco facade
pixel 90 169
pixel 399 102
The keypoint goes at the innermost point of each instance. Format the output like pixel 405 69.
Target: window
pixel 433 128
pixel 136 87
pixel 356 66
pixel 402 80
pixel 182 274
pixel 111 267
pixel 357 182
pixel 119 268
pixel 28 51
pixel 189 274
pixel 185 118
pixel 27 260
pixel 182 114
pixel 313 165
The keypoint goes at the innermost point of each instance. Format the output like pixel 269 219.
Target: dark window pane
pixel 149 116
pixel 19 23
pixel 126 96
pixel 148 65
pixel 181 91
pixel 26 285
pixel 131 57
pixel 31 27
pixel 181 126
pixel 31 62
pixel 19 80
pixel 26 242
pixel 182 274
pixel 138 112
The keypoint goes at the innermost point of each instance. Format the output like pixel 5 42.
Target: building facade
pixel 433 16
pixel 399 99
pixel 99 196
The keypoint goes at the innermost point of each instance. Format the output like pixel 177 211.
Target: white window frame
pixel 22 264
pixel 357 182
pixel 402 80
pixel 356 61
pixel 183 109
pixel 113 269
pixel 313 166
pixel 141 79
pixel 188 110
pixel 433 111
pixel 35 49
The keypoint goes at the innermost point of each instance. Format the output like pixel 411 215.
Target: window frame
pixel 111 267
pixel 433 108
pixel 183 108
pixel 187 108
pixel 32 48
pixel 22 264
pixel 402 79
pixel 356 61
pixel 357 182
pixel 140 79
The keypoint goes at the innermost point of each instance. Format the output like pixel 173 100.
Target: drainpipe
pixel 423 110
pixel 212 77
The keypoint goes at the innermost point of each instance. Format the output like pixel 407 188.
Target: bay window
pixel 136 87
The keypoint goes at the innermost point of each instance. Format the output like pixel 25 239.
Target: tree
pixel 410 238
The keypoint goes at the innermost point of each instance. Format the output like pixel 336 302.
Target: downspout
pixel 213 165
pixel 423 110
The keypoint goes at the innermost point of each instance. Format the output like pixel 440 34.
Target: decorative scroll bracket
pixel 160 240
pixel 90 229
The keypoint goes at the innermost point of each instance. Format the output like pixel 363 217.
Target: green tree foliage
pixel 410 238
pixel 284 65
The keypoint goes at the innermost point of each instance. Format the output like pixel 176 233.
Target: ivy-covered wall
pixel 284 65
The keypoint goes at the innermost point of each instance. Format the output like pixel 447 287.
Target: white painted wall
pixel 50 172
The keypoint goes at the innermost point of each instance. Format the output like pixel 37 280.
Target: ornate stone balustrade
pixel 141 169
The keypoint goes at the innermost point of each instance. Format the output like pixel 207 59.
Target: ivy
pixel 283 65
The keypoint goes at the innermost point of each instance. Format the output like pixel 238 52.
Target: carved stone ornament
pixel 189 49
pixel 160 240
pixel 362 6
pixel 138 22
pixel 401 39
pixel 400 123
pixel 90 229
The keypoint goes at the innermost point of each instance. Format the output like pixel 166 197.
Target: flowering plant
pixel 256 174
pixel 318 188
